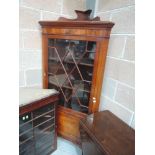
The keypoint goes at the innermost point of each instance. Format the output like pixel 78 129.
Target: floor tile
pixel 59 152
pixel 65 147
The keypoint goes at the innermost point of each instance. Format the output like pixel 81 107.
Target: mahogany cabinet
pixel 37 126
pixel 74 54
pixel 102 133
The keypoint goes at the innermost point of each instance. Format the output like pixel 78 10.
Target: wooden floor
pixel 66 148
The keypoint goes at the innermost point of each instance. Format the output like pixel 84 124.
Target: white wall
pixel 118 93
pixel 90 4
pixel 31 11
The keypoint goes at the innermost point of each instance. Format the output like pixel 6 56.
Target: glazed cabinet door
pixel 70 71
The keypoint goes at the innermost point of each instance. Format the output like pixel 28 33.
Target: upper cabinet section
pixel 74 55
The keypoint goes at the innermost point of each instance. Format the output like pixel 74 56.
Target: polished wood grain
pixel 104 33
pixel 98 31
pixel 99 66
pixel 106 134
pixel 45 61
pixel 68 124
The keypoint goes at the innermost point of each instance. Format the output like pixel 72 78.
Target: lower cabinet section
pixel 37 135
pixel 68 124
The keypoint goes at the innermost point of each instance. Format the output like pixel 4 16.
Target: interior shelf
pixel 53 81
pixel 84 62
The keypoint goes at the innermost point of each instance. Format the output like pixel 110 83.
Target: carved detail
pixel 81 16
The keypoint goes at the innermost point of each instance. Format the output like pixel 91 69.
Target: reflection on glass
pixel 70 69
pixel 44 128
pixel 37 131
pixel 26 142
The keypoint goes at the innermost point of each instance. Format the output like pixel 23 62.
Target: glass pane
pixel 53 60
pixel 70 71
pixel 73 74
pixel 26 139
pixel 43 117
pixel 60 46
pixel 86 72
pixel 44 125
pixel 44 140
pixel 27 148
pixel 25 124
pixel 84 100
pixel 74 103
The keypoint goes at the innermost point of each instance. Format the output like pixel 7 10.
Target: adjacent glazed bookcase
pixel 74 54
pixel 37 129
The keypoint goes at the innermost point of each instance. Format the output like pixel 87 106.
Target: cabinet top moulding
pixel 90 29
pixel 77 24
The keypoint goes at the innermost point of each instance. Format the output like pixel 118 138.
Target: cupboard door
pixel 26 138
pixel 70 71
pixel 44 129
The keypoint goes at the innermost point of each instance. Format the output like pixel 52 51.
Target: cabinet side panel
pixel 45 61
pixel 98 74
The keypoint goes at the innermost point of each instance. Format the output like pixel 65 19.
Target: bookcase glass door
pixel 70 71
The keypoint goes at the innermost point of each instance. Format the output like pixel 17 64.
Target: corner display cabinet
pixel 74 55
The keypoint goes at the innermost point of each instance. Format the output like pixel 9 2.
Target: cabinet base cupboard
pixel 74 54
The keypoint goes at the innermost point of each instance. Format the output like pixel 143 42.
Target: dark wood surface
pixel 98 31
pixel 107 134
pixel 81 16
pixel 37 104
